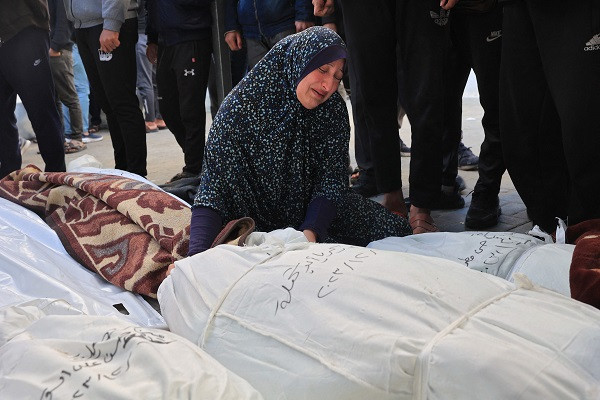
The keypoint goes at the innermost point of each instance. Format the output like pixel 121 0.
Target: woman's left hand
pixel 310 235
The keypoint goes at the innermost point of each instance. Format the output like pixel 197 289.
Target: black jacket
pixel 176 21
pixel 16 15
pixel 61 29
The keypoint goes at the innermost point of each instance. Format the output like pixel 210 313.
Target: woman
pixel 278 152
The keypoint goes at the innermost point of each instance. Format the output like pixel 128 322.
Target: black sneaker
pixel 181 175
pixel 483 213
pixel 467 161
pixel 460 184
pixel 449 201
pixel 365 185
pixel 404 149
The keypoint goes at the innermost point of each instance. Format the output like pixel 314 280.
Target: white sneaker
pixel 24 145
pixel 91 137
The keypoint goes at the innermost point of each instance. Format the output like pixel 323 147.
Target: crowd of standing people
pixel 411 56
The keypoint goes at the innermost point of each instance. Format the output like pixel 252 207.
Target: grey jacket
pixel 109 13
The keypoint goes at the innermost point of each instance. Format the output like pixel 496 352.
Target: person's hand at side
pixel 310 235
pixel 323 8
pixel 331 26
pixel 302 25
pixel 448 4
pixel 234 40
pixel 109 40
pixel 152 52
pixel 54 53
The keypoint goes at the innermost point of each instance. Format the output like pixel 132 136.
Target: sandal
pixel 74 146
pixel 94 129
pixel 422 223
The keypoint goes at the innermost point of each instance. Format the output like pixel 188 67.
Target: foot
pixel 394 201
pixel 182 175
pixel 449 201
pixel 483 212
pixel 24 145
pixel 404 149
pixel 421 221
pixel 365 184
pixel 91 137
pixel 467 161
pixel 151 127
pixel 94 129
pixel 160 124
pixel 460 184
pixel 74 146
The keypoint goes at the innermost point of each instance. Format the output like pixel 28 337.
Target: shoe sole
pixel 488 222
pixel 468 167
pixel 88 140
pixel 25 147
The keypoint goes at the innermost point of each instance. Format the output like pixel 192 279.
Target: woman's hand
pixel 310 235
pixel 170 268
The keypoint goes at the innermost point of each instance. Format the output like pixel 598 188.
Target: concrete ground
pixel 165 159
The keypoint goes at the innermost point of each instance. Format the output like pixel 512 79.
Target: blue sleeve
pixel 231 18
pixel 152 21
pixel 304 11
pixel 204 228
pixel 319 215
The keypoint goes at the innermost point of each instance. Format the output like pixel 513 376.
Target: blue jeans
pixel 82 86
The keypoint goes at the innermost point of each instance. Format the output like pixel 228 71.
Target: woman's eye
pixel 339 77
pixel 323 70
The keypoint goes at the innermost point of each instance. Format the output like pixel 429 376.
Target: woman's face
pixel 318 86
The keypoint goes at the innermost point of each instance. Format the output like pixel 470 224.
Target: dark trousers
pixel 549 102
pixel 409 39
pixel 182 78
pixel 476 44
pixel 25 71
pixel 64 83
pixel 113 83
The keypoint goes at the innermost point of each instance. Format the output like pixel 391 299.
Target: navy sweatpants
pixel 400 48
pixel 25 71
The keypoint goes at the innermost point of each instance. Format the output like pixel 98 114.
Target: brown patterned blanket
pixel 125 230
pixel 584 276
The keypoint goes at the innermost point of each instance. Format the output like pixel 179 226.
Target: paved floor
pixel 165 159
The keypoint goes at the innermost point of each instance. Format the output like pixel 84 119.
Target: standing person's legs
pixel 10 156
pixel 145 90
pixel 190 64
pixel 64 82
pixel 117 79
pixel 95 112
pixel 529 123
pixel 372 48
pixel 424 44
pixel 82 86
pixel 571 62
pixel 484 35
pixel 24 63
pixel 365 185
